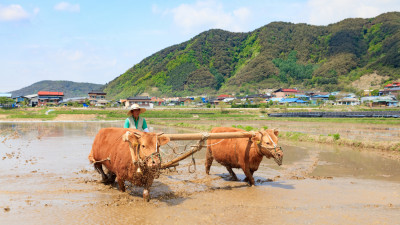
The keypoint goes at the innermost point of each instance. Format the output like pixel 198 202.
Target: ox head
pixel 146 147
pixel 267 141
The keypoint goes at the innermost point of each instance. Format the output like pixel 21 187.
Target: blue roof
pixel 292 100
pixel 302 96
pixel 320 96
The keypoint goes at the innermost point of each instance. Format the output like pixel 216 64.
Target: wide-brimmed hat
pixel 133 107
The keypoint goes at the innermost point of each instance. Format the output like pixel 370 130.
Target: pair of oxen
pixel 134 156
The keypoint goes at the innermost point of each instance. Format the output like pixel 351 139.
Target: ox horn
pixel 159 134
pixel 137 134
pixel 125 137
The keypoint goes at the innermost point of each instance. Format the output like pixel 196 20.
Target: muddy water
pixel 46 178
pixel 361 132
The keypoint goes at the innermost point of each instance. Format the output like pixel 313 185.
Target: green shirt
pixel 126 125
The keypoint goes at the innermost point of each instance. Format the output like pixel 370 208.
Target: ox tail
pixel 91 157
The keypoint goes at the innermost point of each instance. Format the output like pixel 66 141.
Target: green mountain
pixel 70 89
pixel 277 55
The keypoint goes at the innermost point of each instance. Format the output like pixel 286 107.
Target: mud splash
pixel 46 178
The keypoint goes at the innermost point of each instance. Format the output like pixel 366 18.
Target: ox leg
pixel 146 191
pixel 110 178
pixel 233 175
pixel 209 160
pixel 99 168
pixel 249 176
pixel 247 179
pixel 121 184
pixel 146 195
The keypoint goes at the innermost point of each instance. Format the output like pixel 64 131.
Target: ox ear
pixel 163 140
pixel 276 132
pixel 137 135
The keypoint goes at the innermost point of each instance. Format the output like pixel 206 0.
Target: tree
pixel 332 98
pixel 5 100
pixel 375 92
pixel 222 105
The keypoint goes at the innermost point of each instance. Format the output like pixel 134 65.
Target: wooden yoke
pixel 200 136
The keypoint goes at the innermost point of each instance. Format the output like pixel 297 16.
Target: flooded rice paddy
pixel 46 178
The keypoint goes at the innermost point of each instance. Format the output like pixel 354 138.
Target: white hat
pixel 133 107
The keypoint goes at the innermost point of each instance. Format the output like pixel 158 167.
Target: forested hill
pixel 277 55
pixel 70 89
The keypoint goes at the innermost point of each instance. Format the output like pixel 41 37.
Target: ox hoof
pixel 146 195
pixel 233 179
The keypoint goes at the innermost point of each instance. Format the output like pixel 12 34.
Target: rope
pixel 205 136
pixel 192 163
pixel 214 143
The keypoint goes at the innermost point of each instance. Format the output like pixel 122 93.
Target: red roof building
pixel 51 93
pixel 392 89
pixel 222 97
pixel 49 98
pixel 393 85
pixel 282 93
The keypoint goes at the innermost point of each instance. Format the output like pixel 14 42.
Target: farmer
pixel 134 120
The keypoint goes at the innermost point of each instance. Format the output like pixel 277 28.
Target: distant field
pixel 176 114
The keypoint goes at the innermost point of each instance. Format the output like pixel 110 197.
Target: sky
pixel 96 41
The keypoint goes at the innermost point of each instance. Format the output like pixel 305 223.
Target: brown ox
pixel 245 153
pixel 128 154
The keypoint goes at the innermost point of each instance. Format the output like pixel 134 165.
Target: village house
pixel 283 93
pixel 19 99
pixel 142 101
pixel 222 97
pixel 49 98
pixel 157 101
pixel 391 89
pixel 33 99
pixel 348 101
pixel 97 98
pixel 380 101
pixel 292 101
pixel 185 101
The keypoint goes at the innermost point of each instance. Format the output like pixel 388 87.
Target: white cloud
pixel 71 55
pixel 208 14
pixel 13 13
pixel 36 11
pixel 66 6
pixel 323 12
